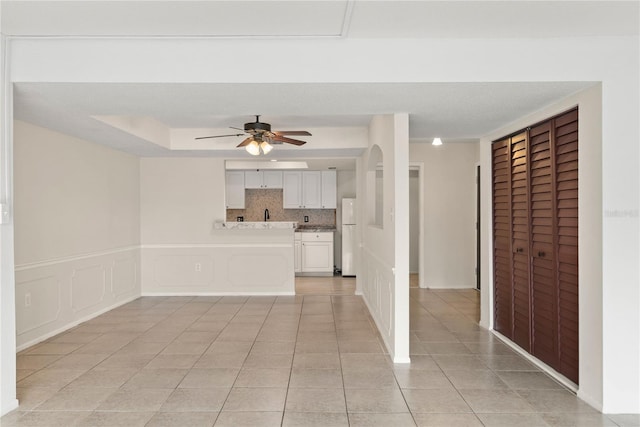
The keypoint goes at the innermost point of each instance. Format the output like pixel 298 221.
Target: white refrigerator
pixel 348 237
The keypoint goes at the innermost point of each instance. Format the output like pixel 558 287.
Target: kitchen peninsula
pixel 259 256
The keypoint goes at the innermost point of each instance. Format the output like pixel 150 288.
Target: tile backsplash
pixel 256 201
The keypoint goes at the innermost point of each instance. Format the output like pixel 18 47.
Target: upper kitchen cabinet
pixel 309 189
pixel 262 179
pixel 329 184
pixel 292 189
pixel 234 189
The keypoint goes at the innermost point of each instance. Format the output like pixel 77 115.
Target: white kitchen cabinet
pixel 329 190
pixel 234 189
pixel 317 253
pixel 297 252
pixel 262 179
pixel 292 189
pixel 311 190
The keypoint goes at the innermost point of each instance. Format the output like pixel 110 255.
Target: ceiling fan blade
pixel 219 136
pixel 233 127
pixel 291 132
pixel 245 142
pixel 281 138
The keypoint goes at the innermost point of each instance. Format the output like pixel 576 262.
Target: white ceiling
pixel 449 110
pixel 320 18
pixel 453 111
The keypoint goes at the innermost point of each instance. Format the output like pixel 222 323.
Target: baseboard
pixel 73 324
pixel 538 363
pixel 375 320
pixel 590 401
pixel 213 294
pixel 12 406
pixel 315 274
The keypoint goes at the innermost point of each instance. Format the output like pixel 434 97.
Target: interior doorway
pixel 416 225
pixel 478 264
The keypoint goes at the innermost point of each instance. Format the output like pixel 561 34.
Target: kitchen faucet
pixel 266 214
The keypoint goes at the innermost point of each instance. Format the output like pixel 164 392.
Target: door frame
pixel 419 166
pixel 478 228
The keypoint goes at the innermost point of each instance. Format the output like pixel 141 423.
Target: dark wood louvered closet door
pixel 520 240
pixel 502 237
pixel 536 261
pixel 566 174
pixel 544 292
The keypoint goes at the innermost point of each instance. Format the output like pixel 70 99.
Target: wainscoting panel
pixel 56 295
pixel 218 269
pixel 185 271
pixel 252 269
pixel 378 294
pixel 124 276
pixel 88 286
pixel 39 303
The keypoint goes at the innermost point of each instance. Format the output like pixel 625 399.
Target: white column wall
pixel 610 60
pixel 8 399
pixel 384 257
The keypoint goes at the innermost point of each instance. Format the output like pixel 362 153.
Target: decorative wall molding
pixel 218 269
pixel 88 287
pixel 88 255
pixel 84 286
pixel 124 272
pixel 378 294
pixel 42 304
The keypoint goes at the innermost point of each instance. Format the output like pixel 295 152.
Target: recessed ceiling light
pixel 436 141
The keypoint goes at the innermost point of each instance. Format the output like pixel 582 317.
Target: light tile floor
pixel 308 360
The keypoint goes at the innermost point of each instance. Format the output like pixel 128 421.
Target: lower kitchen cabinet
pixel 316 253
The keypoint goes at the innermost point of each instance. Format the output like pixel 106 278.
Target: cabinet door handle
pixel 541 254
pixel 519 250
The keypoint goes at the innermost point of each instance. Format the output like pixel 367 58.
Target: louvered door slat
pixel 503 294
pixel 520 240
pixel 543 286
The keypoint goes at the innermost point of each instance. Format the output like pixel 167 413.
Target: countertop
pixel 315 228
pixel 250 225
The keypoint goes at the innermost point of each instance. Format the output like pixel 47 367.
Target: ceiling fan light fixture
pixel 253 148
pixel 436 141
pixel 266 147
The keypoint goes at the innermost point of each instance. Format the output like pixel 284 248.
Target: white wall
pixel 596 343
pixel 182 253
pixel 77 230
pixel 449 212
pixel 174 189
pixel 383 274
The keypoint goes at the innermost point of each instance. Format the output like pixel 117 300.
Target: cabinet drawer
pixel 317 237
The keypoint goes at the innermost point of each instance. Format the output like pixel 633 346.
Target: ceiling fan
pixel 261 137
